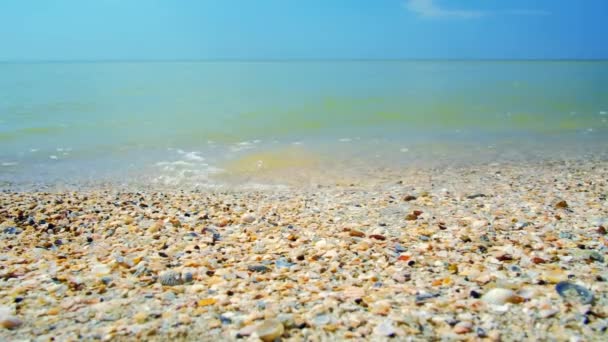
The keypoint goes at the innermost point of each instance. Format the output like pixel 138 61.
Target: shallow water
pixel 210 122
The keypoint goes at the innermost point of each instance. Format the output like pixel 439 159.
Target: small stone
pixel 385 328
pixel 378 237
pixel 595 256
pixel 554 276
pixel 248 218
pixel 474 196
pixel 170 278
pixel 321 320
pixel 354 292
pixel 538 260
pixel 573 292
pixel 7 320
pixel 499 296
pixel 246 331
pixel 561 204
pixel 270 330
pixel 356 233
pixel 546 313
pixel 283 263
pixel 10 322
pixel 140 317
pixel 463 327
pixel 409 198
pixel 206 302
pixel 258 268
pixel 414 215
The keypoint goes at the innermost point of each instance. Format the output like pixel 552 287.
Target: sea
pixel 205 124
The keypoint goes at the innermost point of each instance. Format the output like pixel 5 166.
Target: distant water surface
pixel 205 122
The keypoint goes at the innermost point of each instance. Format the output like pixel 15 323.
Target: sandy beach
pixel 498 252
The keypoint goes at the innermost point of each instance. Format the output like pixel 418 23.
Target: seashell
pixel 571 291
pixel 248 218
pixel 10 322
pixel 354 292
pixel 385 328
pixel 173 278
pixel 258 268
pixel 270 330
pixel 463 327
pixel 499 296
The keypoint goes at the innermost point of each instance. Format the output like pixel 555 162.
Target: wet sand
pixel 511 251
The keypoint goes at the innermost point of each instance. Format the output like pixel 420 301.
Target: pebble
pixel 385 328
pixel 463 327
pixel 258 268
pixel 595 256
pixel 7 320
pixel 283 263
pixel 270 330
pixel 170 278
pixel 248 218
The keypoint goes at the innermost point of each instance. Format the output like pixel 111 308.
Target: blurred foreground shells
pixel 482 252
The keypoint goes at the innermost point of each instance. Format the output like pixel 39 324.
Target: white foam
pixel 602 112
pixel 54 157
pixel 345 140
pixel 243 145
pixel 193 156
pixel 9 163
pixel 32 150
pixel 404 149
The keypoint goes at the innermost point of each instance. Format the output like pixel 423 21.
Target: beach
pixel 492 251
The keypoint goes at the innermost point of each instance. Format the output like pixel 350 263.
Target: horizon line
pixel 276 60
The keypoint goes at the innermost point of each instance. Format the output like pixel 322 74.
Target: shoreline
pixel 413 254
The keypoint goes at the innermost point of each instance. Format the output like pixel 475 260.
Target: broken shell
pixel 571 291
pixel 499 296
pixel 172 278
pixel 270 330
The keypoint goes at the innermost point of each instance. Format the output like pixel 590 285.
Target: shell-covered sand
pixel 498 252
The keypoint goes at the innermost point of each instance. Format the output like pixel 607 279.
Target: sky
pixel 35 30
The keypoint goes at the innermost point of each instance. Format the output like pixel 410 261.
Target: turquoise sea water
pixel 175 122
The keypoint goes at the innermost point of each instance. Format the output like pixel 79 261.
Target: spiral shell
pixel 173 278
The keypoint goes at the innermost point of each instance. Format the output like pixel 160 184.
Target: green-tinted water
pixel 60 120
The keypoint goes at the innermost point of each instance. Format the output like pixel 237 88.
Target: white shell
pixel 498 296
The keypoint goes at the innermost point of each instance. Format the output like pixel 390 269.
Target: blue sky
pixel 285 29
